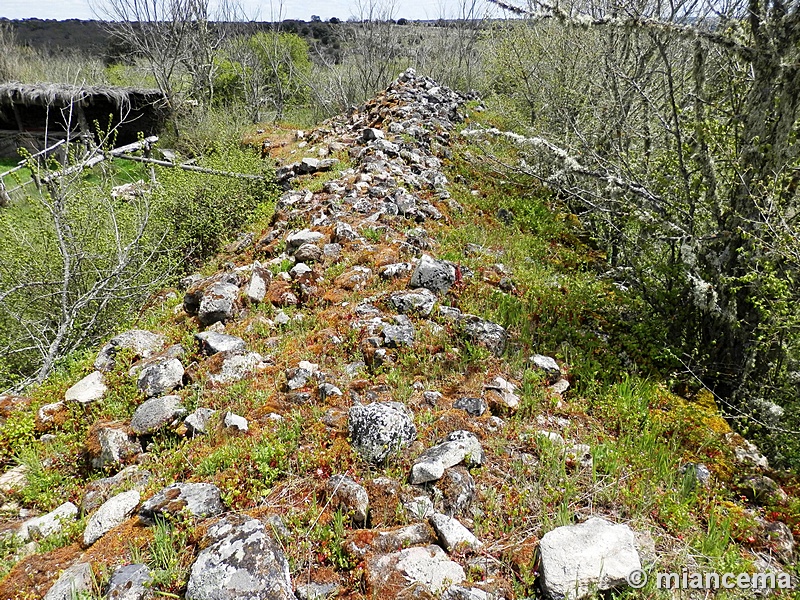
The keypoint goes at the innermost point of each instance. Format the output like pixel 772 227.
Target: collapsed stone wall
pixel 386 176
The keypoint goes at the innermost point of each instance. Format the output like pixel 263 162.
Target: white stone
pixel 459 446
pixel 14 479
pixel 89 389
pixel 430 567
pixel 74 581
pixel 111 514
pixel 595 555
pixel 47 525
pixel 235 422
pixel 257 288
pixel 452 534
pixel 306 236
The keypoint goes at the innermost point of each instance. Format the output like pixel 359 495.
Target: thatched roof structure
pixel 29 111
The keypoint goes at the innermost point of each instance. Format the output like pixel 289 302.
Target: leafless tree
pixel 671 128
pixel 91 258
pixel 178 39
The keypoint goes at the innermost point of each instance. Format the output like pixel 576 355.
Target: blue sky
pixel 297 9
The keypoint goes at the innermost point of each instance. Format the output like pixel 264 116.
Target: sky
pixel 260 10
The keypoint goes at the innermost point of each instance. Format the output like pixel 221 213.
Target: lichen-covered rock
pixel 419 300
pixel 200 500
pixel 130 582
pixel 401 333
pixel 395 270
pixel 112 513
pixel 579 559
pixel 473 406
pixel 347 494
pixel 489 335
pixel 343 232
pixel 308 253
pixel 98 491
pixel 111 444
pixel 378 429
pixel 414 571
pixel 156 413
pixel 452 534
pixel 236 367
pixel 143 343
pixel 260 280
pixel 218 303
pixel 213 299
pixel 435 275
pixel 160 376
pixel 306 236
pixel 240 562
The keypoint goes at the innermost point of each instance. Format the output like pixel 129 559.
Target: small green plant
pixel 372 234
pixel 329 539
pixel 17 432
pixel 169 559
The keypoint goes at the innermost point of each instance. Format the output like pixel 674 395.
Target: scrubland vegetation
pixel 634 167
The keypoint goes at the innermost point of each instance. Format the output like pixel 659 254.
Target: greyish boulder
pixel 74 581
pixel 420 300
pixel 237 366
pixel 130 582
pixel 378 429
pixel 218 303
pixel 143 343
pixel 426 568
pixel 200 500
pixel 156 413
pixel 490 335
pixel 579 559
pixel 452 534
pixel 240 562
pixel 399 334
pixel 260 280
pixel 435 275
pixel 116 447
pixel 160 377
pixel 49 524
